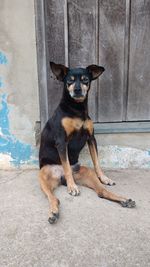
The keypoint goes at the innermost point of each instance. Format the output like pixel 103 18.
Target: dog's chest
pixel 77 141
pixel 72 125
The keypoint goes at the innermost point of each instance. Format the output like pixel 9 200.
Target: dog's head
pixel 77 81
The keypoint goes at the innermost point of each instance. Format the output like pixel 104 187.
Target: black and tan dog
pixel 63 137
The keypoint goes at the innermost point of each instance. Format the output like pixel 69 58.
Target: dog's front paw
pixel 73 190
pixel 129 203
pixel 105 180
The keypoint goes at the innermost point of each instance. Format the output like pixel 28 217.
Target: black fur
pixel 53 137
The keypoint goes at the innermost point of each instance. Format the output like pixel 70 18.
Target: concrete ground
pixel 91 232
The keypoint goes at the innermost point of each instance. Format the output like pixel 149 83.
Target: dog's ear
pixel 95 71
pixel 59 70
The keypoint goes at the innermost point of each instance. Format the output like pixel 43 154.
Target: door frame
pixel 39 6
pixel 112 127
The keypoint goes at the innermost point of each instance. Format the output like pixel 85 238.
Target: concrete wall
pixel 123 150
pixel 19 100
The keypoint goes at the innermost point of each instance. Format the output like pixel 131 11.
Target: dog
pixel 64 136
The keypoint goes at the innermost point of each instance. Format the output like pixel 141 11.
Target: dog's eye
pixel 72 78
pixel 69 82
pixel 84 79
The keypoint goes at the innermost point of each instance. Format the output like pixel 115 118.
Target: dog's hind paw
pixel 73 190
pixel 53 218
pixel 105 180
pixel 129 203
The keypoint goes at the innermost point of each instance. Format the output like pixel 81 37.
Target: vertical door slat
pixel 55 41
pixel 111 53
pixel 82 41
pixel 139 67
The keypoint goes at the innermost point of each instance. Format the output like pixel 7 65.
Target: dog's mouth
pixel 79 99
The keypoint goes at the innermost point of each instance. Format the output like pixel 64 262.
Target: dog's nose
pixel 77 91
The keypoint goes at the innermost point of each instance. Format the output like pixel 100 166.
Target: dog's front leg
pixel 63 154
pixel 94 155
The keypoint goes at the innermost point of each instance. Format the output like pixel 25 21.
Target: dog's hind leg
pixel 88 177
pixel 49 177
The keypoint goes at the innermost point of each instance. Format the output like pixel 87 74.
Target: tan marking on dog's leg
pixel 87 177
pixel 48 183
pixel 103 178
pixel 88 125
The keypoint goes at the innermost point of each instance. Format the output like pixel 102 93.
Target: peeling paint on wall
pixel 114 157
pixel 124 157
pixel 13 152
pixel 3 59
pixel 19 152
pixel 1 82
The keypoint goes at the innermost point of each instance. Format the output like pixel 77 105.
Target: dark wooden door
pixel 114 34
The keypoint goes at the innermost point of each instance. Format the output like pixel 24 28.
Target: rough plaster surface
pixel 19 100
pixel 133 140
pixel 115 156
pixel 91 232
pixel 18 73
pixel 13 149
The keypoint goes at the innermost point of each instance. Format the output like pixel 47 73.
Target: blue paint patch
pixel 149 152
pixel 19 151
pixel 3 59
pixel 1 83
